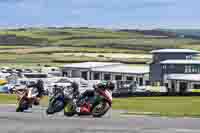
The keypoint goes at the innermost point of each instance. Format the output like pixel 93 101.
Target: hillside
pixel 187 33
pixel 29 45
pixel 143 40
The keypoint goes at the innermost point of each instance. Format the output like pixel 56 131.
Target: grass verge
pixel 12 99
pixel 162 106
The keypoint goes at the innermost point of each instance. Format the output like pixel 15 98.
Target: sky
pixel 141 14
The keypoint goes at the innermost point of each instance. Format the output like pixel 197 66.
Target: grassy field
pixel 42 45
pixel 164 106
pixel 93 38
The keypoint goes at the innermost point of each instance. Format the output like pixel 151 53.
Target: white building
pixel 107 71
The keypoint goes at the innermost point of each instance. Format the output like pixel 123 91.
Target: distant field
pixel 42 45
pixel 108 55
pixel 91 38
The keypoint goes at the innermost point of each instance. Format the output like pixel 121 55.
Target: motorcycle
pixel 96 105
pixel 26 97
pixel 58 100
pixel 64 99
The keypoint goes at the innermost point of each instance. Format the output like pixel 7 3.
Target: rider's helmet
pixel 105 85
pixel 110 85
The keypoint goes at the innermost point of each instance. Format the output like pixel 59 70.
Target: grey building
pixel 175 68
pixel 181 75
pixel 156 75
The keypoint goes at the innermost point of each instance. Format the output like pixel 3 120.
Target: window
pixel 96 76
pixel 140 81
pixel 156 83
pixel 189 57
pixel 156 58
pixel 107 76
pixel 188 69
pixel 164 66
pixel 35 75
pixel 65 74
pixel 171 66
pixel 84 75
pixel 192 69
pixel 118 77
pixel 166 85
pixel 196 86
pixel 129 78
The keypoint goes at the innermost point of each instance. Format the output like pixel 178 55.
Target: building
pixel 175 68
pixel 181 75
pixel 84 69
pixel 108 71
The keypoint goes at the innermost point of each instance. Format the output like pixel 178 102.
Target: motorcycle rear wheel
pixel 69 109
pixel 54 106
pixel 99 112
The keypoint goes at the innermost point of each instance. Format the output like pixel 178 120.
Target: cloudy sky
pixel 101 13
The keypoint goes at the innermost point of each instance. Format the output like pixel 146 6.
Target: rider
pixel 40 89
pixel 102 85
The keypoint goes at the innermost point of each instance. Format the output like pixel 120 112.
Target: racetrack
pixel 36 121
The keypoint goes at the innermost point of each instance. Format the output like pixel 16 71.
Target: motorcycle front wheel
pixel 100 109
pixel 22 105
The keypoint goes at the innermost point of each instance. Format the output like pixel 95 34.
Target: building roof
pixel 175 51
pixel 180 62
pixel 89 65
pixel 123 69
pixel 185 77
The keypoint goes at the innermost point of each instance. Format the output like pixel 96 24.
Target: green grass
pixel 12 99
pixel 164 106
pixel 7 99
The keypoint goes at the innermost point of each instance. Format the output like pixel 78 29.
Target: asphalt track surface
pixel 36 121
